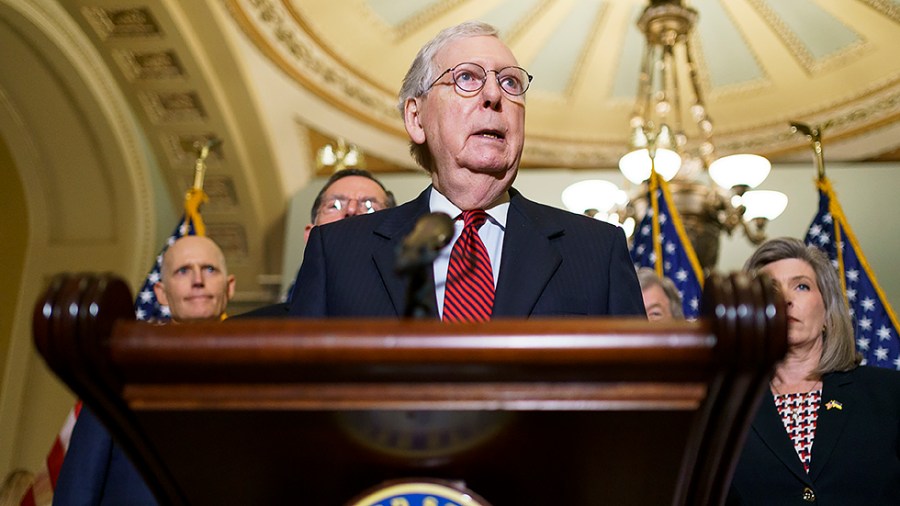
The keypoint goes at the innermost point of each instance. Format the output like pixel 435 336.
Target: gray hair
pixel 648 278
pixel 424 71
pixel 839 349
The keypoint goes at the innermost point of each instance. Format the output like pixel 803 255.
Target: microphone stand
pixel 418 291
pixel 415 255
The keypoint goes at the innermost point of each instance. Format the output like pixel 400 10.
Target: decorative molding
pixel 232 238
pixel 181 150
pixel 520 28
pixel 148 65
pixel 221 190
pixel 852 119
pixel 122 23
pixel 887 7
pixel 798 49
pixel 743 88
pixel 424 17
pixel 587 44
pixel 172 107
pixel 296 53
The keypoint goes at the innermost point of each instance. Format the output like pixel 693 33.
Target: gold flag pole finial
pixel 196 196
pixel 814 134
pixel 203 149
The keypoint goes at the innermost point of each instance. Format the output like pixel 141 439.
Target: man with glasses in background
pixel 463 106
pixel 348 192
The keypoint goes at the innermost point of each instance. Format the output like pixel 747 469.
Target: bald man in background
pixel 196 287
pixel 194 282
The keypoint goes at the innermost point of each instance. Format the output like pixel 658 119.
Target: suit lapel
pixel 770 429
pixel 528 261
pixel 830 423
pixel 393 229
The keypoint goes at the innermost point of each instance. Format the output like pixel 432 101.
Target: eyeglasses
pixel 470 77
pixel 339 204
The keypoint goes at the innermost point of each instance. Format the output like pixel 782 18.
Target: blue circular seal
pixel 419 492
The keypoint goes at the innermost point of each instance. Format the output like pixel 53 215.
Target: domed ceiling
pixel 762 63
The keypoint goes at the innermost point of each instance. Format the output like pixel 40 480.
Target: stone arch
pixel 85 173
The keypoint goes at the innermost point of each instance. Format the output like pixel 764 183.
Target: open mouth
pixel 490 134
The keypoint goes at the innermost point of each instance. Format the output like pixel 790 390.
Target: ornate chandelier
pixel 671 128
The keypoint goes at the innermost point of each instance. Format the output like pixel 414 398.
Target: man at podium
pixel 463 106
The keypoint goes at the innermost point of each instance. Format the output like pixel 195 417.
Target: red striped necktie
pixel 469 292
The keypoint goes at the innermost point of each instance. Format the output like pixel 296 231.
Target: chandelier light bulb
pixel 628 226
pixel 352 157
pixel 635 166
pixel 698 112
pixel 327 155
pixel 663 108
pixel 740 170
pixel 766 204
pixel 598 194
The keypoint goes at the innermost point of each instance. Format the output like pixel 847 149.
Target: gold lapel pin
pixel 834 404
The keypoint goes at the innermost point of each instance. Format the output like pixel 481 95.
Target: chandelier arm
pixel 675 97
pixel 704 124
pixel 757 233
pixel 644 97
pixel 663 103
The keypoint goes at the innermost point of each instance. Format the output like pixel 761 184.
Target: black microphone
pixel 432 232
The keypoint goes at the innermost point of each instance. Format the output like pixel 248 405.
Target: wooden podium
pixel 552 411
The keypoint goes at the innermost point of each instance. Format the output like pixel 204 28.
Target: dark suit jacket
pixel 855 454
pixel 554 263
pixel 96 471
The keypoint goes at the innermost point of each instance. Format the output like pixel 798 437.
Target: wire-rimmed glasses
pixel 340 203
pixel 471 77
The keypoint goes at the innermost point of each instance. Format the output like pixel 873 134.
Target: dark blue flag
pixel 661 243
pixel 874 321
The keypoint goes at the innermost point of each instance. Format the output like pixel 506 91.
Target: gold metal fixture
pixel 340 157
pixel 712 195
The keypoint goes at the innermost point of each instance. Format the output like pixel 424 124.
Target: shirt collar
pixel 497 210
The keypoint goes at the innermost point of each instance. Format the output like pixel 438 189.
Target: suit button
pixel 809 495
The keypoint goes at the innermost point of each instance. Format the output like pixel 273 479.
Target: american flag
pixel 874 321
pixel 661 243
pixel 146 307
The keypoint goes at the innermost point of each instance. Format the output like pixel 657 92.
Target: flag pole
pixel 196 196
pixel 814 135
pixel 203 150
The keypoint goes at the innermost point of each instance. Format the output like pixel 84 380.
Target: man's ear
pixel 412 119
pixel 231 284
pixel 160 290
pixel 306 231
